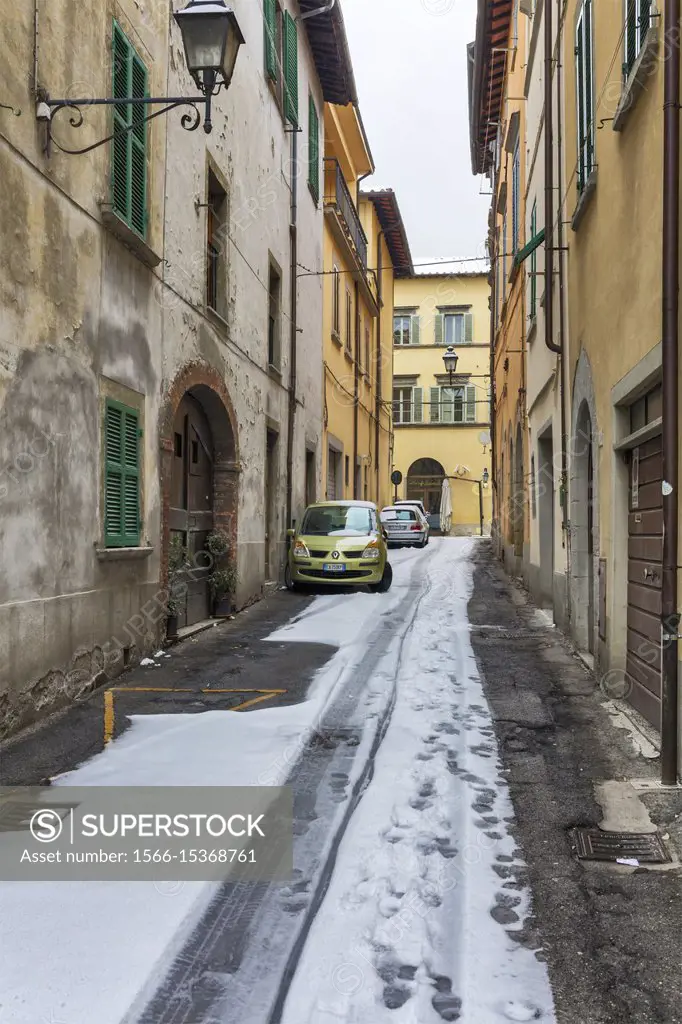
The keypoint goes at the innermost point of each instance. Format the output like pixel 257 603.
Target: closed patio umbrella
pixel 445 508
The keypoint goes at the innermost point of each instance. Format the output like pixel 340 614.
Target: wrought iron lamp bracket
pixel 48 110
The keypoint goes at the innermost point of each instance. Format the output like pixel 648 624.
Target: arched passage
pixel 425 483
pixel 584 504
pixel 199 477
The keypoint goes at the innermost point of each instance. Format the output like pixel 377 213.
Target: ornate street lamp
pixel 450 358
pixel 211 37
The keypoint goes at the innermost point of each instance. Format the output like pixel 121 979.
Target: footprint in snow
pixel 515 1010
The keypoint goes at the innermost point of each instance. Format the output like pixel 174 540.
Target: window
pixel 122 436
pixel 290 68
pixel 273 33
pixel 453 405
pixel 504 258
pixel 454 328
pixel 216 271
pixel 274 316
pixel 336 301
pixel 584 93
pixel 516 190
pixel 407 404
pixel 533 305
pixel 405 329
pixel 637 23
pixel 368 349
pixel 349 321
pixel 129 149
pixel 313 149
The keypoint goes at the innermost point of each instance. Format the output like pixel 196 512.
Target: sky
pixel 409 58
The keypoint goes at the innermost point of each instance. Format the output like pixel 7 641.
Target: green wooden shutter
pixel 439 327
pixel 580 98
pixel 313 150
pixel 270 35
pixel 644 19
pixel 468 328
pixel 290 69
pixel 630 34
pixel 113 476
pixel 120 164
pixel 417 404
pixel 589 113
pixel 415 328
pixel 121 476
pixel 435 405
pixel 470 410
pixel 129 146
pixel 533 262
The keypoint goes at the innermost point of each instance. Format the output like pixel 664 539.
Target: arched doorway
pixel 519 495
pixel 582 523
pixel 425 483
pixel 199 477
pixel 191 504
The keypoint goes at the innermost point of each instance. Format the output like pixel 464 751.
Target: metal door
pixel 191 512
pixel 645 559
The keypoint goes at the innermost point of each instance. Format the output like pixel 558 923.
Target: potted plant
pixel 223 583
pixel 178 562
pixel 218 544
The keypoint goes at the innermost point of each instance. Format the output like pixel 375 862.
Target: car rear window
pixel 404 514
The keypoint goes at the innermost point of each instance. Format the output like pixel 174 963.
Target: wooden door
pixel 645 560
pixel 191 512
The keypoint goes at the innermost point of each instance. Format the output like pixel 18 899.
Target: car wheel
pixel 384 583
pixel 424 542
pixel 288 581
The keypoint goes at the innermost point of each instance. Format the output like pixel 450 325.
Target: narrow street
pixel 442 740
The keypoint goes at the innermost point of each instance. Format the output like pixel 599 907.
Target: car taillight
pixel 416 527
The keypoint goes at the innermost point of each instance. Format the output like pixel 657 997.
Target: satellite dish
pixel 484 437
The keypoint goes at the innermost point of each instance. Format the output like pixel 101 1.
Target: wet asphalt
pixel 612 937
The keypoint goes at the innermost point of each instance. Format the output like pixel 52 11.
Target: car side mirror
pixel 291 533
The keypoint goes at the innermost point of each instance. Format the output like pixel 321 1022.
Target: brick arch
pixel 207 386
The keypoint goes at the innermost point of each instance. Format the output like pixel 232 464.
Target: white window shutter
pixel 435 405
pixel 470 412
pixel 417 403
pixel 414 330
pixel 439 328
pixel 447 407
pixel 468 328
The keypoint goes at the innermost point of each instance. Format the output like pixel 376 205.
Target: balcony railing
pixel 337 193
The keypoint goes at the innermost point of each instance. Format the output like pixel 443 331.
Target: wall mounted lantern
pixel 450 358
pixel 211 37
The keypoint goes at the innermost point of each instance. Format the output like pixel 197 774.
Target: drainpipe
pixel 378 350
pixel 670 336
pixel 549 183
pixel 562 312
pixel 356 391
pixel 293 235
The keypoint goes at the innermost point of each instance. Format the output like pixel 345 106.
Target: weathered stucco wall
pixel 82 318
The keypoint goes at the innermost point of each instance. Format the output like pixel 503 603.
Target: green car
pixel 339 543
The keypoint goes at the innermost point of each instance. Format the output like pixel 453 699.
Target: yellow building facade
pixel 442 424
pixel 497 61
pixel 365 250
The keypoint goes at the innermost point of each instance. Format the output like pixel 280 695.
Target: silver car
pixel 414 503
pixel 404 525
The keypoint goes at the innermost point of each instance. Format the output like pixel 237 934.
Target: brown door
pixel 270 493
pixel 645 557
pixel 191 513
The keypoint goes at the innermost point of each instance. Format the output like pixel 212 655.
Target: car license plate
pixel 334 567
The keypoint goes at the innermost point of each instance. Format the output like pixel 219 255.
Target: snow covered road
pixel 407 904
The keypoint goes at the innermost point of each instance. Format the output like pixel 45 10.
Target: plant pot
pixel 222 607
pixel 171 627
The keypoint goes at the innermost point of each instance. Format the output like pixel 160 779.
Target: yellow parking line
pixel 109 719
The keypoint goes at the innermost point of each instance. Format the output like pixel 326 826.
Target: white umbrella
pixel 445 507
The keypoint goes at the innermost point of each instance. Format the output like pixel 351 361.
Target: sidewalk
pixel 612 935
pixel 230 656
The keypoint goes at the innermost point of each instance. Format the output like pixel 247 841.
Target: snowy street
pixel 411 895
pixel 405 905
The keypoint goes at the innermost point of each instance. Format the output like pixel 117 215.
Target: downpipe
pixel 670 617
pixel 293 344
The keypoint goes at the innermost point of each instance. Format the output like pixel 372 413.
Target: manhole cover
pixel 593 844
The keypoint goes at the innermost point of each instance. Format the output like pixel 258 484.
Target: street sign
pixel 396 477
